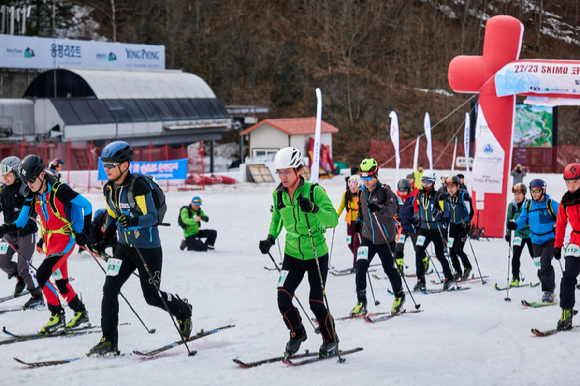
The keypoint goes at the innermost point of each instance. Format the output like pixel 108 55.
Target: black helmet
pixel 30 167
pixel 404 184
pixel 454 180
pixel 537 183
pixel 118 151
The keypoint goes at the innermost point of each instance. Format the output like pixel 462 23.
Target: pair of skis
pixel 296 360
pixel 533 285
pixel 146 354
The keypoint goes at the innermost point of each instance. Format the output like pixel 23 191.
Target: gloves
pixel 98 247
pixel 204 218
pixel 307 206
pixel 265 245
pixel 512 226
pixel 466 225
pixel 357 226
pixel 5 228
pixel 437 213
pixel 81 238
pixel 373 208
pixel 508 237
pixel 126 221
pixel 557 253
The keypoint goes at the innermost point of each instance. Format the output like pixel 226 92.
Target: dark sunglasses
pixel 31 181
pixel 110 165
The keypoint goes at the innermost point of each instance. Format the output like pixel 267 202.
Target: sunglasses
pixel 353 183
pixel 403 190
pixel 31 181
pixel 110 165
pixel 366 178
pixel 285 173
pixel 536 190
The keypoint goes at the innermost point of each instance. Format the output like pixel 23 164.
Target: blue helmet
pixel 118 151
pixel 196 200
pixel 537 183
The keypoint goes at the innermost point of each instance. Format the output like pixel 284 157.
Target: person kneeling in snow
pixel 190 218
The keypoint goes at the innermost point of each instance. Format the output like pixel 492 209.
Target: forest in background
pixel 368 57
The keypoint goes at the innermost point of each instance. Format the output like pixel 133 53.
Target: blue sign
pixel 162 170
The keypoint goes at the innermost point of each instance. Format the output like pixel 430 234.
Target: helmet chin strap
pixel 121 173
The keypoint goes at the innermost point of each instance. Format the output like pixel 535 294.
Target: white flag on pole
pixel 427 124
pixel 314 168
pixel 466 140
pixel 416 154
pixel 395 141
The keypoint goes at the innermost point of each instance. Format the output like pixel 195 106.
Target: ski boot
pixel 186 325
pixel 36 299
pixel 466 273
pixel 20 286
pixel 457 275
pixel 515 282
pixel 565 322
pixel 107 346
pixel 81 314
pixel 400 265
pixel 447 284
pixel 183 245
pixel 398 303
pixel 548 297
pixel 297 336
pixel 420 286
pixel 328 348
pixel 426 263
pixel 361 305
pixel 55 322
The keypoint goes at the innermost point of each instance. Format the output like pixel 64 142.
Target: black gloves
pixel 5 228
pixel 512 226
pixel 307 206
pixel 508 237
pixel 99 247
pixel 126 221
pixel 81 238
pixel 557 253
pixel 373 207
pixel 204 218
pixel 357 226
pixel 265 245
pixel 437 213
pixel 466 225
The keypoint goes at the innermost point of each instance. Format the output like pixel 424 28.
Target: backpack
pixel 548 205
pixel 280 202
pixel 179 220
pixel 156 193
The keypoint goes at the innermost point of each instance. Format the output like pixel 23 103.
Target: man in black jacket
pixel 12 199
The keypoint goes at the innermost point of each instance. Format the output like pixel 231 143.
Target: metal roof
pixel 294 126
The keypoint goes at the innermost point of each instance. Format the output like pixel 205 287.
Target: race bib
pixel 537 262
pixel 3 247
pixel 282 278
pixel 113 267
pixel 517 241
pixel 450 242
pixel 420 241
pixel 362 253
pixel 573 250
pixel 57 275
pixel 348 239
pixel 402 239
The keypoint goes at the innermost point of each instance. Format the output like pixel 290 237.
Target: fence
pixel 533 159
pixel 81 162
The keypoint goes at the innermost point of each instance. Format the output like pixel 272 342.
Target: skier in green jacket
pixel 301 208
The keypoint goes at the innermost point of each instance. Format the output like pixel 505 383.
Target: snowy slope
pixel 472 337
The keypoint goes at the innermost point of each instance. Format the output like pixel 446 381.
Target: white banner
pixel 488 160
pixel 48 53
pixel 427 124
pixel 314 168
pixel 466 140
pixel 543 77
pixel 395 141
pixel 416 154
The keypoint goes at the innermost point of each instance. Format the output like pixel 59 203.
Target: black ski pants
pixel 568 282
pixel 546 272
pixel 424 238
pixel 130 261
pixel 387 260
pixel 401 243
pixel 518 250
pixel 293 271
pixel 457 239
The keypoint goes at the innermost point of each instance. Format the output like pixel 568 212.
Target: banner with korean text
pixel 162 170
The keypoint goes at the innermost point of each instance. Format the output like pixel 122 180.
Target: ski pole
pixel 94 256
pixel 393 257
pixel 433 264
pixel 476 263
pixel 510 252
pixel 105 259
pixel 316 329
pixel 559 262
pixel 331 248
pixel 155 284
pixel 372 290
pixel 340 360
pixel 279 254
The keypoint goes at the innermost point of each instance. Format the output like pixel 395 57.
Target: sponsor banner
pixel 487 172
pixel 395 141
pixel 162 170
pixel 466 140
pixel 48 53
pixel 314 168
pixel 427 125
pixel 539 77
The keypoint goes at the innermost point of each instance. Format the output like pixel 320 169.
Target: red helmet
pixel 572 172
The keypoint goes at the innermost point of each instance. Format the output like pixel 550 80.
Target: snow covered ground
pixel 472 337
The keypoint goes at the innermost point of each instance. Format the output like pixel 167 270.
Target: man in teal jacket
pixel 301 208
pixel 190 218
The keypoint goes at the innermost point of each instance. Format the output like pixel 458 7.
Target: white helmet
pixel 286 158
pixel 356 178
pixel 429 176
pixel 9 164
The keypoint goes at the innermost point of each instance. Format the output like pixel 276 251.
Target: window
pixel 261 152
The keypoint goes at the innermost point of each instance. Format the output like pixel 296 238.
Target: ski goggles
pixel 367 178
pixel 403 190
pixel 5 169
pixel 110 165
pixel 536 190
pixel 31 181
pixel 353 183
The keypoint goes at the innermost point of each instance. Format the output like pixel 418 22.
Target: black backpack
pixel 179 220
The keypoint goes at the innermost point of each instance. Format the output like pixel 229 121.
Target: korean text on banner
pixel 162 170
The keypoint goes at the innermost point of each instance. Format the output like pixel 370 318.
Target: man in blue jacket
pixel 540 213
